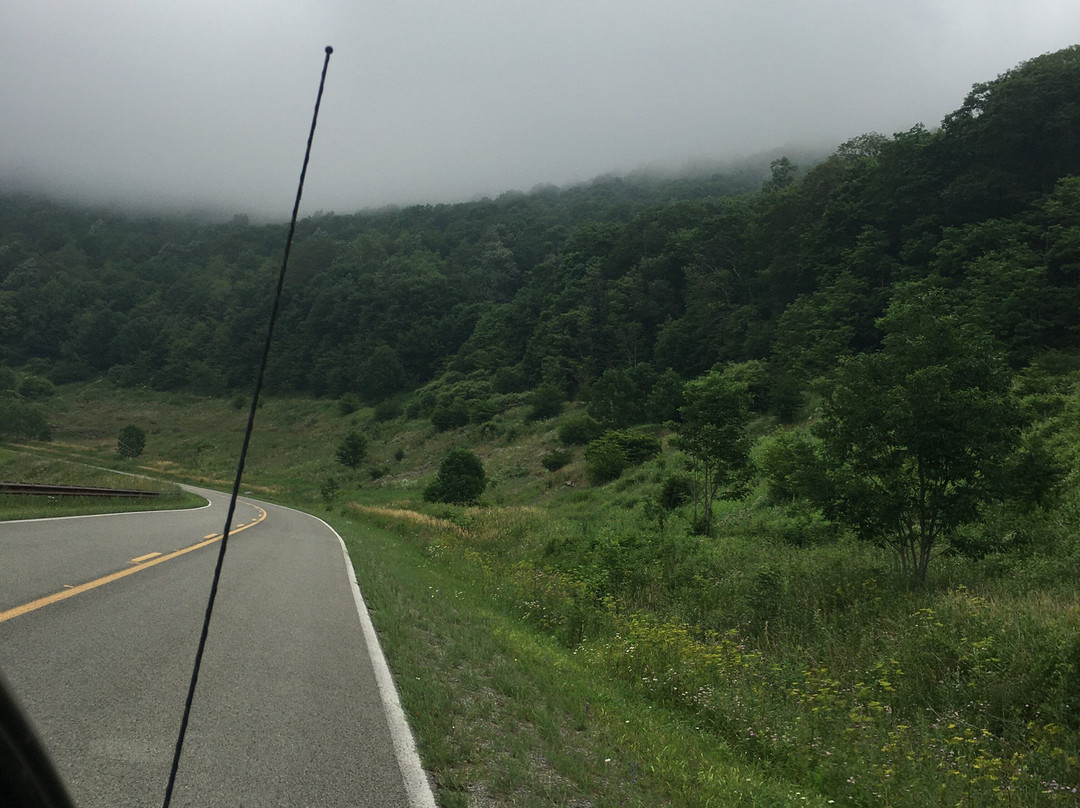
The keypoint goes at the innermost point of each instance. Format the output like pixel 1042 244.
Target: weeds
pixel 867 694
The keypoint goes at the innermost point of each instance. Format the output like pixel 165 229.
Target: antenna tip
pixel 329 50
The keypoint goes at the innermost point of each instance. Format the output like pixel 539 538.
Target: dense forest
pixel 560 286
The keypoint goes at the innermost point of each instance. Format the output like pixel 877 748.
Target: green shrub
pixel 36 387
pixel 8 380
pixel 482 410
pixel 555 459
pixel 546 401
pixel 579 429
pixel 450 416
pixel 348 404
pixel 21 420
pixel 126 375
pixel 639 446
pixel 330 490
pixel 510 380
pixel 461 479
pixel 677 490
pixel 387 410
pixel 605 460
pixel 609 455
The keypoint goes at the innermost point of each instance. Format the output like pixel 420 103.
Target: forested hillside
pixel 559 286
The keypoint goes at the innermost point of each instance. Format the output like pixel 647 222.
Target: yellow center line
pixel 71 591
pixel 143 558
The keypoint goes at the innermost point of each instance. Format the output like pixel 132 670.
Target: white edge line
pixel 417 787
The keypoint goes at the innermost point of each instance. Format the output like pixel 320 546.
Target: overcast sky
pixel 208 103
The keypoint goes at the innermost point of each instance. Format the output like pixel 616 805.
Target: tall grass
pixel 814 660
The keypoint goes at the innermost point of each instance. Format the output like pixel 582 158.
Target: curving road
pixel 99 622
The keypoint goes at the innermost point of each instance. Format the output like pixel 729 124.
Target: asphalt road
pixel 288 710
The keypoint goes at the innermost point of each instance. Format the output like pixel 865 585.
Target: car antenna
pixel 244 449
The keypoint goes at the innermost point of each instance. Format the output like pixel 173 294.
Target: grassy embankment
pixel 590 652
pixel 29 466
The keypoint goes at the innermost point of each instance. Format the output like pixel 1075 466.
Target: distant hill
pixel 557 286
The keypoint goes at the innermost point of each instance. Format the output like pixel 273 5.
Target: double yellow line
pixel 140 563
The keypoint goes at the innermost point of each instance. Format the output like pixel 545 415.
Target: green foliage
pixel 579 429
pixel 616 450
pixel 712 432
pixel 329 491
pixel 348 404
pixel 665 398
pixel 546 401
pixel 387 410
pixel 618 398
pixel 131 441
pixel 791 462
pixel 352 450
pixel 510 380
pixel 19 419
pixel 605 460
pixel 381 374
pixel 639 447
pixel 788 647
pixel 677 490
pixel 450 415
pixel 461 479
pixel 36 387
pixel 915 436
pixel 783 174
pixel 555 459
pixel 592 289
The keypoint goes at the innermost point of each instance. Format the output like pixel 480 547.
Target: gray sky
pixel 193 102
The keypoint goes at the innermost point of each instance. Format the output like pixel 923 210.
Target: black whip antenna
pixel 244 448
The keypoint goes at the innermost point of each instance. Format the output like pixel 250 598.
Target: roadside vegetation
pixel 35 467
pixel 781 657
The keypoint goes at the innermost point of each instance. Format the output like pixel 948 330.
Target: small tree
pixel 352 450
pixel 713 433
pixel 330 490
pixel 131 441
pixel 461 479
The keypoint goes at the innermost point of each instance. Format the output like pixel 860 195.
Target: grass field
pixel 29 465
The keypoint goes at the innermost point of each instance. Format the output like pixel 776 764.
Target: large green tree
pixel 915 435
